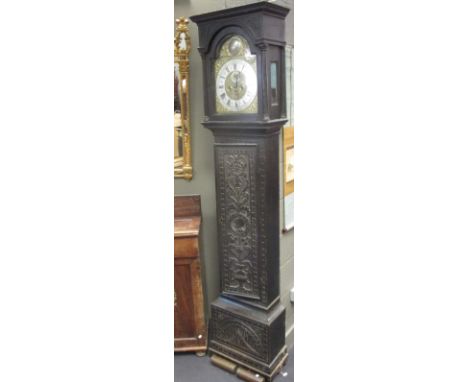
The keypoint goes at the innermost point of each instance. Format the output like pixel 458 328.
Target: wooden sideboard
pixel 189 318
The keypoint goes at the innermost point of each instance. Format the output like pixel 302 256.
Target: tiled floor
pixel 190 368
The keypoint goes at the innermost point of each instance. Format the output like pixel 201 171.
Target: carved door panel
pixel 238 219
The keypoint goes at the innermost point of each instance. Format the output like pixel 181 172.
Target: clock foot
pixel 245 374
pixel 249 376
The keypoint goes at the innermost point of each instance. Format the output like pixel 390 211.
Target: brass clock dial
pixel 236 78
pixel 236 85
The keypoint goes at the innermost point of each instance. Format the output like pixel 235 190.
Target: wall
pixel 203 182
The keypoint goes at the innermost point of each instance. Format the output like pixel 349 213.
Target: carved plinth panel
pixel 247 336
pixel 240 220
pixel 254 337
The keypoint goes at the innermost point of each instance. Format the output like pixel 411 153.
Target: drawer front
pixel 186 247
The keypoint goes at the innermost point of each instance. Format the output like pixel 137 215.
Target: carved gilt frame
pixel 182 47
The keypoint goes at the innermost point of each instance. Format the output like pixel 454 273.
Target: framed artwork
pixel 288 143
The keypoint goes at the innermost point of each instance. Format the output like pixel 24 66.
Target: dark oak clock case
pixel 247 324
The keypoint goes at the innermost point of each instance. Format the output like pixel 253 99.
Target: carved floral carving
pixel 237 219
pixel 240 333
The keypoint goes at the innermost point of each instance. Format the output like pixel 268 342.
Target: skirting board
pixel 290 337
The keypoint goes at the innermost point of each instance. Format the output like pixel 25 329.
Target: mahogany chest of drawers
pixel 189 318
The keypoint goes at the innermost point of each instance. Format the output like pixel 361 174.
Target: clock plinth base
pixel 252 339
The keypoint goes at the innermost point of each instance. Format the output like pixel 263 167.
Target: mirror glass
pixel 178 133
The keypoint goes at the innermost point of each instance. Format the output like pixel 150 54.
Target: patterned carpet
pixel 190 368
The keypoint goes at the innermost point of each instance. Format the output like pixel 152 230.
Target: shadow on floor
pixel 190 368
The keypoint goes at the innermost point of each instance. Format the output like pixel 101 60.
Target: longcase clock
pixel 243 55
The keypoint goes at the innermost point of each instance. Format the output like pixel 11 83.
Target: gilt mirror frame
pixel 182 137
